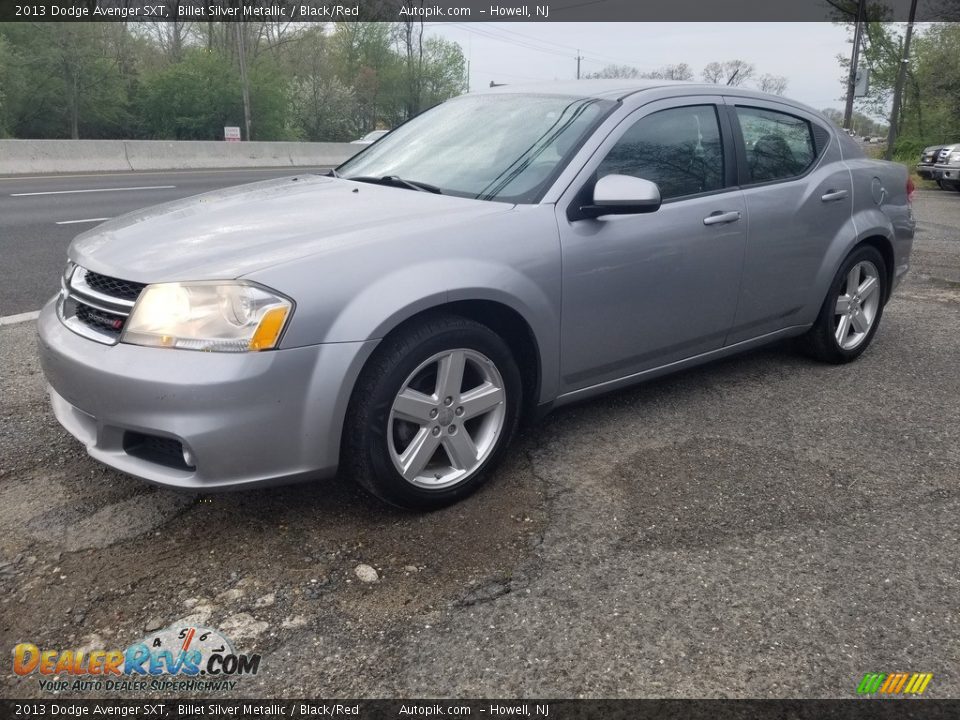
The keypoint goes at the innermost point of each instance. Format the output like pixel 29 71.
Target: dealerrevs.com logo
pixel 894 683
pixel 176 658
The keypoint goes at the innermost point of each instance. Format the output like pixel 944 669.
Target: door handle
pixel 720 217
pixel 832 195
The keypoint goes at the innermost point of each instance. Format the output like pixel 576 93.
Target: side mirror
pixel 622 195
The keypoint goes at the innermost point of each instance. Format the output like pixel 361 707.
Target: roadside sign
pixel 862 83
pixel 231 133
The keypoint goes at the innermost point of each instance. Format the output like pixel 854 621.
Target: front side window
pixel 778 146
pixel 678 149
pixel 505 147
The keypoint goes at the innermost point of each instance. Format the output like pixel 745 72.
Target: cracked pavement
pixel 764 526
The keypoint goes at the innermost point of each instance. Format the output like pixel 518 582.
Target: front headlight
pixel 212 316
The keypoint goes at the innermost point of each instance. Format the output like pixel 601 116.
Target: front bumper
pixel 947 173
pixel 246 419
pixel 925 170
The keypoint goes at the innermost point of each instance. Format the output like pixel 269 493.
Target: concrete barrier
pixel 47 156
pixel 20 157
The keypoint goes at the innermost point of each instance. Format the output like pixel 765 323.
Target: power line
pixel 536 44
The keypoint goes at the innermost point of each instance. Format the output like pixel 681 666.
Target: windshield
pixel 505 147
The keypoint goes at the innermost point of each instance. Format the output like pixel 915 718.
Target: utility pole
pixel 898 88
pixel 579 58
pixel 854 62
pixel 241 53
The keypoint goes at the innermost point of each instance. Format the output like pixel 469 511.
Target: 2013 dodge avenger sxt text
pixel 500 254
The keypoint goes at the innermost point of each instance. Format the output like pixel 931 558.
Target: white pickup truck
pixel 946 171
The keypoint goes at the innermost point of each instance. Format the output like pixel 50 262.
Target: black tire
pixel 942 185
pixel 365 453
pixel 820 341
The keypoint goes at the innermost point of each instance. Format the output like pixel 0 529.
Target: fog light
pixel 188 458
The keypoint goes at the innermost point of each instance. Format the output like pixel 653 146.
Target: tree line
pixel 181 80
pixel 929 112
pixel 735 73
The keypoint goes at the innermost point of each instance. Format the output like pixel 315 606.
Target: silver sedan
pixel 502 254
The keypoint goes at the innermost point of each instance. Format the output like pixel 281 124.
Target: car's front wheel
pixel 852 310
pixel 432 413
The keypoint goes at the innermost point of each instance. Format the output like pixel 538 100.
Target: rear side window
pixel 778 146
pixel 678 149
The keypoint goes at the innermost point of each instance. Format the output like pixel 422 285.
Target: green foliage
pixel 182 81
pixel 65 83
pixel 9 87
pixel 908 149
pixel 930 107
pixel 192 99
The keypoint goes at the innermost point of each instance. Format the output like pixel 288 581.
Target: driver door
pixel 641 291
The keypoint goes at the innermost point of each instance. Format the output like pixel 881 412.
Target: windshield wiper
pixel 395 181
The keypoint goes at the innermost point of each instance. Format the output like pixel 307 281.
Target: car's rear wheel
pixel 851 313
pixel 432 413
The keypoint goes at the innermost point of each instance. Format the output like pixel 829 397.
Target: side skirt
pixel 644 375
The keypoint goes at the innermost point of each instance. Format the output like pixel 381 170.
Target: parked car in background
pixel 928 158
pixel 370 137
pixel 398 317
pixel 946 171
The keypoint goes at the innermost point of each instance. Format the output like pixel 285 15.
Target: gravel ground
pixel 762 527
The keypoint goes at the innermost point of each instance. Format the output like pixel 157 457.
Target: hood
pixel 232 232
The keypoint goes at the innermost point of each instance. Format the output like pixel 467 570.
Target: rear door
pixel 798 196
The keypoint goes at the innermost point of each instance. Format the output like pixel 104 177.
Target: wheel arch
pixel 860 230
pixel 503 319
pixel 883 245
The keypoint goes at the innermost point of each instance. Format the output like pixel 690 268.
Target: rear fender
pixel 869 223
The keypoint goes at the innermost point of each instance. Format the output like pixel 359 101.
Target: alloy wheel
pixel 857 305
pixel 446 418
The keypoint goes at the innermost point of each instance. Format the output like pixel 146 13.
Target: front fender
pixel 398 296
pixel 363 291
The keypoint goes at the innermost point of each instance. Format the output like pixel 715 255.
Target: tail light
pixel 911 188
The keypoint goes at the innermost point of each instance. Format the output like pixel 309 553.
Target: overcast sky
pixel 804 53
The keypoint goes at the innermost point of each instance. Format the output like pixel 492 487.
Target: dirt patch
pixel 93 557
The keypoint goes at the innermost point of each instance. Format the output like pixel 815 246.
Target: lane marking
pixel 194 171
pixel 21 318
pixel 71 192
pixel 74 222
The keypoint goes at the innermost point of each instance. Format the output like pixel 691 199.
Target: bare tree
pixel 412 42
pixel 681 71
pixel 773 84
pixel 728 72
pixel 171 35
pixel 615 72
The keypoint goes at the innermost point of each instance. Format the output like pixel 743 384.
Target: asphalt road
pixel 39 216
pixel 766 526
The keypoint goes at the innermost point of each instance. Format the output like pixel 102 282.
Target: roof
pixel 619 89
pixel 606 89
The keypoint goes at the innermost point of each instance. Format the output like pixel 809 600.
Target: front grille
pixel 108 322
pixel 97 306
pixel 122 289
